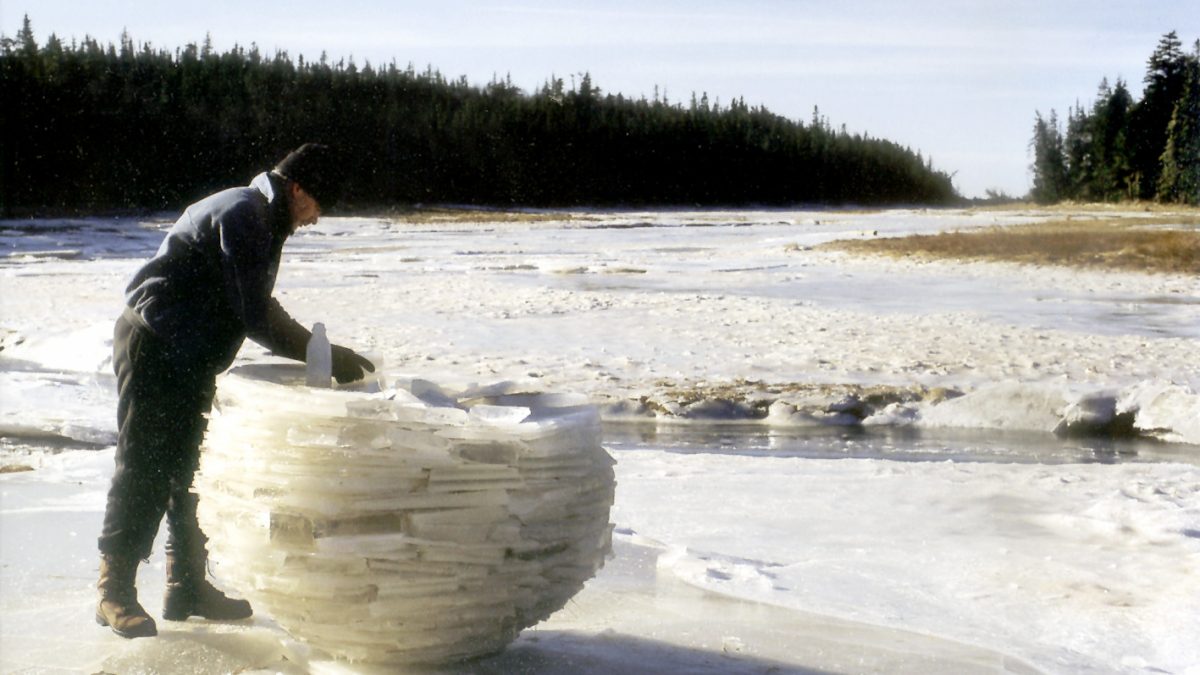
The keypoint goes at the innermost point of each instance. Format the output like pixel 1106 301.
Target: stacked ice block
pixel 409 525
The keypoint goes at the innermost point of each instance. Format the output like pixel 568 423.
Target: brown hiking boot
pixel 190 594
pixel 118 607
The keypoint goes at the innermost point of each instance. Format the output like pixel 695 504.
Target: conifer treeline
pixel 92 126
pixel 1123 149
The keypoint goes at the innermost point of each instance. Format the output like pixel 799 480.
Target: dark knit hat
pixel 314 167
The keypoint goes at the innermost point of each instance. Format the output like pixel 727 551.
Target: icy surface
pixel 988 554
pixel 652 313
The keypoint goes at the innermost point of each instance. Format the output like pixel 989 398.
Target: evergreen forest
pixel 90 127
pixel 1124 149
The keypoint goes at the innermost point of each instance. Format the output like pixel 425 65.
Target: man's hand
pixel 349 366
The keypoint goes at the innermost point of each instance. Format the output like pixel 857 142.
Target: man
pixel 189 308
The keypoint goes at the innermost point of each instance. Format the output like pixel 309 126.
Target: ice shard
pixel 405 526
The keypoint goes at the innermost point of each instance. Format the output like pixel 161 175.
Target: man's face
pixel 302 207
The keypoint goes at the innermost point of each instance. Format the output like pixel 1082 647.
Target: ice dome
pixel 407 524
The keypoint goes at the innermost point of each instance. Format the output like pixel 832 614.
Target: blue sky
pixel 958 81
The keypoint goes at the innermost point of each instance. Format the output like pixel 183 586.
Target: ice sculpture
pixel 409 525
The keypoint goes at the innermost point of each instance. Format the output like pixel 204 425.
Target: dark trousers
pixel 160 417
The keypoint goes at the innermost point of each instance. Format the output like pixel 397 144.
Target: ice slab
pixel 403 526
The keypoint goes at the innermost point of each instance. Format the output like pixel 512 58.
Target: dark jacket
pixel 209 285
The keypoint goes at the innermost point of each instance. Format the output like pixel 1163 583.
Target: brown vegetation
pixel 1155 243
pixel 433 214
pixel 15 468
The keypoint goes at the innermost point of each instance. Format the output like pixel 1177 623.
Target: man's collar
pixel 274 188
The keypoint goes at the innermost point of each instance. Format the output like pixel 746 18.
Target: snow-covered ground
pixel 967 538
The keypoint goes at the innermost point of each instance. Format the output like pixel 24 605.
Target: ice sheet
pixel 806 566
pixel 667 317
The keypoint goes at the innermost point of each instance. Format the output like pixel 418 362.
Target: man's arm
pixel 282 334
pixel 286 337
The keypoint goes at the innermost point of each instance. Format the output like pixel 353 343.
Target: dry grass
pixel 435 215
pixel 1167 243
pixel 15 468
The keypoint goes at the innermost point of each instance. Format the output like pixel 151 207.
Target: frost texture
pixel 381 528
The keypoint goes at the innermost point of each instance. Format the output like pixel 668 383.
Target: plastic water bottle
pixel 319 358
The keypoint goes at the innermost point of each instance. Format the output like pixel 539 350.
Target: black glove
pixel 349 366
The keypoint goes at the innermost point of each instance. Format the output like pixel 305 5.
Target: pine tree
pixel 25 39
pixel 1049 164
pixel 1111 175
pixel 1180 177
pixel 1077 146
pixel 1164 84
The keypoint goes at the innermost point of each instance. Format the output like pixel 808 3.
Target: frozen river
pixel 900 445
pixel 883 480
